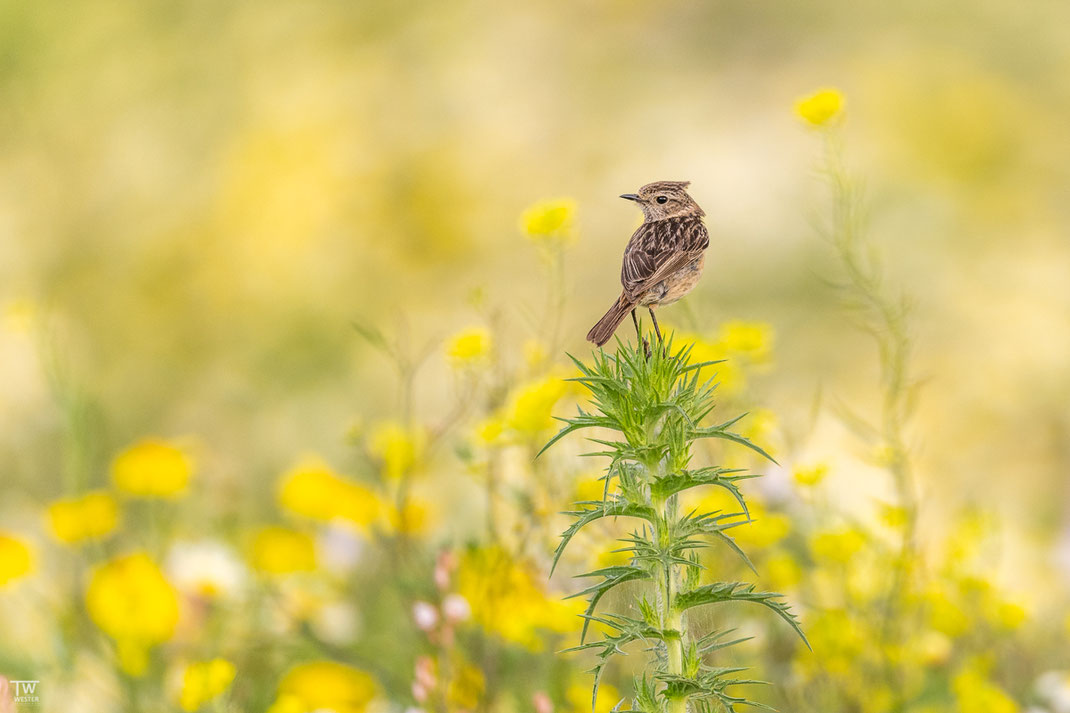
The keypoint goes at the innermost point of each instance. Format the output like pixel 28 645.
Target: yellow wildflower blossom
pixel 506 598
pixel 466 686
pixel 469 348
pixel 590 487
pixel 280 550
pixel 90 517
pixel 945 615
pixel 821 108
pixel 730 377
pixel 324 685
pixel 751 340
pixel 16 559
pixel 398 447
pixel 766 529
pixel 837 546
pixel 578 697
pixel 531 407
pixel 489 431
pixel 312 489
pixel 810 476
pixel 203 681
pixel 894 516
pixel 839 641
pixel 414 519
pixel 131 601
pixel 975 693
pixel 781 571
pixel 152 468
pixel 550 221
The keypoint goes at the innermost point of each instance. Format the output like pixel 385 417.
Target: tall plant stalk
pixel 655 406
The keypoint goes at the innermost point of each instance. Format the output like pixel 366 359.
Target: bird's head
pixel 665 199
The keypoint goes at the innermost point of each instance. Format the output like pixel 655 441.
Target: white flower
pixel 425 615
pixel 456 608
pixel 337 623
pixel 207 569
pixel 339 548
pixel 1054 688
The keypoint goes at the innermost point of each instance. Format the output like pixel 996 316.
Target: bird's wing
pixel 657 250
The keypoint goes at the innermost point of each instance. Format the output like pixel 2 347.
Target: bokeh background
pixel 287 289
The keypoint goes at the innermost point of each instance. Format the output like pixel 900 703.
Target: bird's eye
pixel 661 199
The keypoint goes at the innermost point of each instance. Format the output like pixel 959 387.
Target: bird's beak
pixel 630 196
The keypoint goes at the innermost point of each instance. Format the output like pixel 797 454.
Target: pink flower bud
pixel 542 702
pixel 455 608
pixel 425 615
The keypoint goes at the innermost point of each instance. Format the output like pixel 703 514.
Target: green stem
pixel 672 621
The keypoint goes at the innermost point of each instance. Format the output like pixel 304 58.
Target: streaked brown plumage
pixel 664 258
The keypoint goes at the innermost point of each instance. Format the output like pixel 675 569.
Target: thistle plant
pixel 656 405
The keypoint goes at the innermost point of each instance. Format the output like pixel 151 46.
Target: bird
pixel 663 259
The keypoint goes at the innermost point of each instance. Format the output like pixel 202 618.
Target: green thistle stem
pixel 656 403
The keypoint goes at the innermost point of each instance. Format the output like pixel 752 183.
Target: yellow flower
pixel 414 519
pixel 765 530
pixel 590 488
pixel 839 546
pixel 550 221
pixel 730 377
pixel 398 448
pixel 974 693
pixel 131 601
pixel 312 489
pixel 1006 615
pixel 280 550
pixel 894 516
pixel 810 476
pixel 470 347
pixel 90 517
pixel 945 615
pixel 152 469
pixel 578 697
pixel 821 108
pixel 204 680
pixel 466 687
pixel 839 642
pixel 489 431
pixel 531 406
pixel 16 560
pixel 324 685
pixel 781 571
pixel 751 340
pixel 506 598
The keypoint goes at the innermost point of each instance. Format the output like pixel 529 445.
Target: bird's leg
pixel 639 335
pixel 657 329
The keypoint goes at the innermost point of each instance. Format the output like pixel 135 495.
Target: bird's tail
pixel 601 332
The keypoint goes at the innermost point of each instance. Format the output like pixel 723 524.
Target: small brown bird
pixel 664 258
